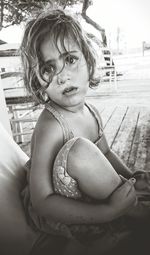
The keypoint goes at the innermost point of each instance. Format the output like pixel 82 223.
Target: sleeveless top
pixel 67 133
pixel 63 183
pixel 66 185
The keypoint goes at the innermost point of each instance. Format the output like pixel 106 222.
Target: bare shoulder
pixel 48 125
pixel 48 133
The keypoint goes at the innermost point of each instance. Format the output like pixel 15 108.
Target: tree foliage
pixel 16 11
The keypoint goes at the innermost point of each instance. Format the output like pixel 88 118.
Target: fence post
pixel 4 117
pixel 143 47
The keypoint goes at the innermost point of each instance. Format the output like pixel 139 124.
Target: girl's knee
pixel 83 149
pixel 95 175
pixel 81 157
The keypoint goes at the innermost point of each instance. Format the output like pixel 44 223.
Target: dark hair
pixel 60 25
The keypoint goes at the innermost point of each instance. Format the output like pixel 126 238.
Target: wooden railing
pixel 108 68
pixel 21 114
pixel 20 106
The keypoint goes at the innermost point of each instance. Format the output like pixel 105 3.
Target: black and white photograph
pixel 74 127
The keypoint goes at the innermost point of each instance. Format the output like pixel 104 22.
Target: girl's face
pixel 67 70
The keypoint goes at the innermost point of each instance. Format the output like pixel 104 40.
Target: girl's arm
pixel 118 164
pixel 46 144
pixel 142 184
pixel 71 211
pixel 115 161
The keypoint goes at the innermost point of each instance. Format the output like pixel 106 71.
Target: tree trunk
pixel 1 14
pixel 85 6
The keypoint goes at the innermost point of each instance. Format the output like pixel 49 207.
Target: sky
pixel 129 17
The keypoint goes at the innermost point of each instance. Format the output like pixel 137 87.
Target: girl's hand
pixel 142 181
pixel 124 197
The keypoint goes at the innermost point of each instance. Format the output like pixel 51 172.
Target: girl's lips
pixel 70 90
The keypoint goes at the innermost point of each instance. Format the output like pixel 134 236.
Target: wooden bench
pixel 127 129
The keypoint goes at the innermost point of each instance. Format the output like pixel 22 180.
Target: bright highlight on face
pixel 56 57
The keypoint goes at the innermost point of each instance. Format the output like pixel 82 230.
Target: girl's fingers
pixel 136 201
pixel 148 188
pixel 132 180
pixel 131 183
pixel 122 178
pixel 128 186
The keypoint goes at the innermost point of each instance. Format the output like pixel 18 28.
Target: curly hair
pixel 61 26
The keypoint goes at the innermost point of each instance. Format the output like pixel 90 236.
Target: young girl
pixel 59 67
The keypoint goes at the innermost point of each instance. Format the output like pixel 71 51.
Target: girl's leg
pixel 95 175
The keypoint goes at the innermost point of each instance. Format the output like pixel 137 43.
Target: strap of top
pixel 63 123
pixel 96 113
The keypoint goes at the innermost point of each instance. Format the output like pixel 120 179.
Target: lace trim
pixel 63 183
pixel 64 125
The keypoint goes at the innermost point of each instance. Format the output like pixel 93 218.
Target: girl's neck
pixel 66 110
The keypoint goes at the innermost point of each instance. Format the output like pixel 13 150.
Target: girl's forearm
pixel 118 164
pixel 71 211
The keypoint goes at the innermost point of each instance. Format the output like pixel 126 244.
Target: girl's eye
pixel 47 72
pixel 70 59
pixel 48 69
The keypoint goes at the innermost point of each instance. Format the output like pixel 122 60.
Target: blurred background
pixel 126 23
pixel 122 29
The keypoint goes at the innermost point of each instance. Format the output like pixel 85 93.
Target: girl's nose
pixel 60 80
pixel 63 77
